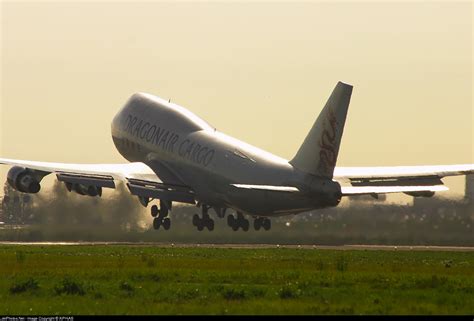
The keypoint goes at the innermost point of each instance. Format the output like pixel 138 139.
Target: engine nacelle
pixel 421 194
pixel 82 189
pixel 23 179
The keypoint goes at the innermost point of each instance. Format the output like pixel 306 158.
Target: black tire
pixel 245 225
pixel 231 220
pixel 156 223
pixel 200 226
pixel 267 224
pixel 196 219
pixel 257 224
pixel 235 227
pixel 163 212
pixel 154 211
pixel 210 225
pixel 166 223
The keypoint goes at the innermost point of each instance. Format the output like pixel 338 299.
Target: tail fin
pixel 318 154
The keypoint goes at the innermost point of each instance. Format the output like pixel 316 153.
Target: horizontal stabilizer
pixel 362 190
pixel 355 173
pixel 411 180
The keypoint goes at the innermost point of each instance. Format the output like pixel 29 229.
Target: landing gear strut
pixel 161 215
pixel 220 211
pixel 239 222
pixel 204 221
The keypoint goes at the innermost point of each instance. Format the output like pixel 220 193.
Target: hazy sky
pixel 260 72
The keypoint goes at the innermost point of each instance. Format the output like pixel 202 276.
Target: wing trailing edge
pixel 267 188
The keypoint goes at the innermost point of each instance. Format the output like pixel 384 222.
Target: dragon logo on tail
pixel 328 153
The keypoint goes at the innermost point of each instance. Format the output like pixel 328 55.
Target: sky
pixel 260 72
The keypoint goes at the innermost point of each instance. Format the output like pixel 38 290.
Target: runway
pixel 359 247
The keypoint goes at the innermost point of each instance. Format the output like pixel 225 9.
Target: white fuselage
pixel 185 150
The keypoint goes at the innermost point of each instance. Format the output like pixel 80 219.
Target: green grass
pixel 151 280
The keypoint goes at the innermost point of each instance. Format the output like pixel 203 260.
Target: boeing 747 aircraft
pixel 177 157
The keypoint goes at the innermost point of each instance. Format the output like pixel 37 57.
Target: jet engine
pixel 23 179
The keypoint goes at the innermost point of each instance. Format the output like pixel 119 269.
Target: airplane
pixel 175 156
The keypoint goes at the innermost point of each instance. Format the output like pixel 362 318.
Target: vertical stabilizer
pixel 318 154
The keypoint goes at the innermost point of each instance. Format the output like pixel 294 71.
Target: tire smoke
pixel 115 209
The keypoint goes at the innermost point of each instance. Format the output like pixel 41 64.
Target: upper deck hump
pixel 166 112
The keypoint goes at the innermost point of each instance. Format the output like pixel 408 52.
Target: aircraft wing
pixel 139 178
pixel 412 180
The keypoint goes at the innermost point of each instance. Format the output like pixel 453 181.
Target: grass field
pixel 151 280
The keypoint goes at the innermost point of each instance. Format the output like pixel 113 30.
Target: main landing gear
pixel 242 222
pixel 239 222
pixel 204 220
pixel 161 215
pixel 262 222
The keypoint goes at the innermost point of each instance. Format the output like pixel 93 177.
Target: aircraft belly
pixel 270 203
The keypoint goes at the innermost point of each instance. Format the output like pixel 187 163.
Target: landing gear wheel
pixel 267 224
pixel 210 225
pixel 163 212
pixel 161 215
pixel 204 221
pixel 200 226
pixel 245 225
pixel 235 227
pixel 257 224
pixel 242 222
pixel 156 223
pixel 231 220
pixel 166 223
pixel 154 211
pixel 196 220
